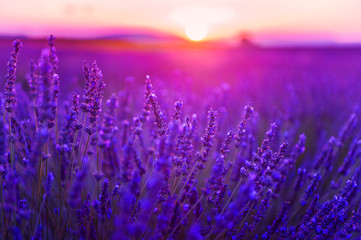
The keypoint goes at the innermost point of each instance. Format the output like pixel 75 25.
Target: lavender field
pixel 102 140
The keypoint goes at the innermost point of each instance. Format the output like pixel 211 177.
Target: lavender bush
pixel 120 167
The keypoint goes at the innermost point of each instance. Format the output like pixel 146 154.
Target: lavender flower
pixel 54 100
pixel 300 178
pixel 248 110
pixel 48 182
pixel 269 136
pixel 45 106
pixel 326 154
pixel 311 188
pixel 11 77
pixel 350 157
pixel 159 118
pixel 108 129
pixel 207 139
pixel 347 128
pixel 53 57
pixel 104 198
pixel 177 110
pixel 32 78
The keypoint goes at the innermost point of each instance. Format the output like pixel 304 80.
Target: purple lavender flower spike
pixel 325 154
pixel 311 188
pixel 269 136
pixel 208 138
pixel 300 178
pixel 53 57
pixel 54 100
pixel 32 78
pixel 104 198
pixel 159 118
pixel 48 182
pixel 108 128
pixel 299 148
pixel 177 110
pixel 87 88
pixel 45 80
pixel 347 128
pixel 350 158
pixel 248 110
pixel 226 145
pixel 262 208
pixel 9 93
pixel 352 226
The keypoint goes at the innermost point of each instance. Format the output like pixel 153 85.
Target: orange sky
pixel 267 20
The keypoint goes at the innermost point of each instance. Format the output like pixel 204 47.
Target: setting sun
pixel 198 19
pixel 196 32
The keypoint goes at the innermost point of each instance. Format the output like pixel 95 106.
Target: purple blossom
pixel 159 118
pixel 45 106
pixel 177 110
pixel 326 153
pixel 248 110
pixel 32 78
pixel 347 163
pixel 208 139
pixel 108 128
pixel 11 77
pixel 48 182
pixel 53 57
pixel 347 128
pixel 311 188
pixel 104 198
pixel 300 178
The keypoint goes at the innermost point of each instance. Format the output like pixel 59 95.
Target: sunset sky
pixel 267 20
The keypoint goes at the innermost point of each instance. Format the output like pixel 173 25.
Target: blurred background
pixel 229 21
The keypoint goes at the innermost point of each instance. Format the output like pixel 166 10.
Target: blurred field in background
pixel 325 81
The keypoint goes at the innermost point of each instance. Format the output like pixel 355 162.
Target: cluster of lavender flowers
pixel 88 169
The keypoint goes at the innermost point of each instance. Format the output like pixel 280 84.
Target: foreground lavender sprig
pixel 159 119
pixel 11 77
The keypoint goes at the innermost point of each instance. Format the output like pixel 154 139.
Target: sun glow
pixel 197 20
pixel 196 32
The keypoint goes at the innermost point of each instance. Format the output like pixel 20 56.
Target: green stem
pixel 40 211
pixel 11 145
pixel 149 220
pixel 188 177
pixel 86 147
pixel 233 192
pixel 81 138
pixel 97 164
pixel 2 208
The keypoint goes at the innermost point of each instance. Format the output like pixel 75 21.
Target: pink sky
pixel 267 20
